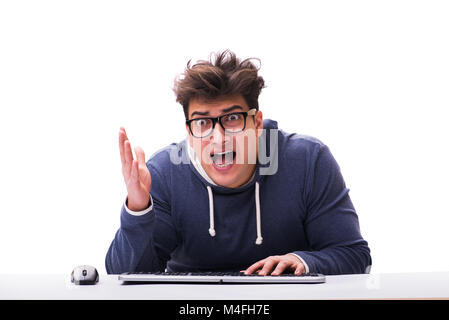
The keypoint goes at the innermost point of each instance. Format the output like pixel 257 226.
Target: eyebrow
pixel 206 113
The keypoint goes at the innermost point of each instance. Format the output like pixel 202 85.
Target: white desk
pixel 365 286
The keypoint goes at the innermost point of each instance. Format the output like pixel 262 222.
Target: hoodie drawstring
pixel 211 214
pixel 259 231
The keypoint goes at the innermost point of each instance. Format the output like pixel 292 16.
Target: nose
pixel 218 133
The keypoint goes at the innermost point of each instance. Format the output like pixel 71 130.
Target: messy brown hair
pixel 224 74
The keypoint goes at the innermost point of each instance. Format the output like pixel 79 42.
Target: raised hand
pixel 136 174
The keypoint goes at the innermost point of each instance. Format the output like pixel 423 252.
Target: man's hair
pixel 224 74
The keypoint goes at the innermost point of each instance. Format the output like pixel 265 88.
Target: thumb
pixel 140 155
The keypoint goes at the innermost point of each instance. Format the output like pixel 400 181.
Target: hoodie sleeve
pixel 331 225
pixel 144 242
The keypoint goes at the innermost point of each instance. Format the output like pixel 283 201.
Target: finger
pixel 300 269
pixel 128 159
pixel 269 265
pixel 255 266
pixel 135 173
pixel 121 141
pixel 140 155
pixel 280 268
pixel 128 153
pixel 124 131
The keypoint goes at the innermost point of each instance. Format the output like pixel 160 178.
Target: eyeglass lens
pixel 234 122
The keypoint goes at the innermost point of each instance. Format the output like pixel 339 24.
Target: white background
pixel 368 78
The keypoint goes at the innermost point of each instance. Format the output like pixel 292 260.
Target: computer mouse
pixel 84 274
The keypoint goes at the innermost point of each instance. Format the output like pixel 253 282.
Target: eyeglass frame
pixel 250 112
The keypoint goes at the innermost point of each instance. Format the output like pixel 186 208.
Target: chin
pixel 228 178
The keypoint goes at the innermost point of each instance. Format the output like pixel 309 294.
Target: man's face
pixel 229 159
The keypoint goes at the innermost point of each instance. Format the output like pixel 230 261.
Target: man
pixel 217 202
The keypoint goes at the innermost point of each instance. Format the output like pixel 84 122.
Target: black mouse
pixel 84 274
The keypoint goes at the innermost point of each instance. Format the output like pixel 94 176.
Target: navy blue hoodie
pixel 304 208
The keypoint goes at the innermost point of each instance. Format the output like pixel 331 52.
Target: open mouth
pixel 223 160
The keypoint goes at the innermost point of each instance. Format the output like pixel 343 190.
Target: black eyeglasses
pixel 231 123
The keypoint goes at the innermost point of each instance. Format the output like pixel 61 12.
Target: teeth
pixel 222 153
pixel 221 165
pixel 218 157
